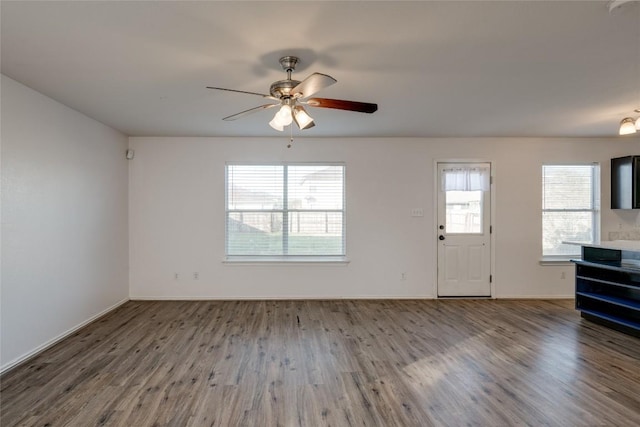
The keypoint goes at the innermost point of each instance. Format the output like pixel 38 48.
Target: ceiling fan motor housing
pixel 282 88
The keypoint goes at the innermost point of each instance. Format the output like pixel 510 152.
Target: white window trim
pixel 558 259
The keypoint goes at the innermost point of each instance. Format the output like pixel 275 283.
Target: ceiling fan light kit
pixel 276 125
pixel 302 119
pixel 291 95
pixel 629 125
pixel 284 116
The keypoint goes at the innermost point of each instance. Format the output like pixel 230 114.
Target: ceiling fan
pixel 290 95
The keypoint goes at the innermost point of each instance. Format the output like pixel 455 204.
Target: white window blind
pixel 570 207
pixel 285 210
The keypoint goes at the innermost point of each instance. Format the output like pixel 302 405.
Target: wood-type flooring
pixel 332 363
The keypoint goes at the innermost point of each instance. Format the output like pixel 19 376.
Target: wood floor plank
pixel 331 363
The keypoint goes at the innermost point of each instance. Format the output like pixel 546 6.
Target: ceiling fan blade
pixel 244 91
pixel 312 84
pixel 340 104
pixel 249 111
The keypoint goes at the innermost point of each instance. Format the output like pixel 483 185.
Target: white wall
pixel 64 220
pixel 177 215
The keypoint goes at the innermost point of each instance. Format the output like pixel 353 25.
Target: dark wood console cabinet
pixel 608 288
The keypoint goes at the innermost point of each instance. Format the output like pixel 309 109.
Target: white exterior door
pixel 464 225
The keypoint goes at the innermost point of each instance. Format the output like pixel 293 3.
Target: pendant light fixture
pixel 628 126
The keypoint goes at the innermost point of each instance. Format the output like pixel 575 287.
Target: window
pixel 570 208
pixel 282 211
pixel 464 187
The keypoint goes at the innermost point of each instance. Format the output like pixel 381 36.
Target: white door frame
pixel 434 229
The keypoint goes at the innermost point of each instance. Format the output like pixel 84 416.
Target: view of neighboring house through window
pixel 570 207
pixel 285 210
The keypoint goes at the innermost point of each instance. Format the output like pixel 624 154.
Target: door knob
pixel 441 237
pixel 441 227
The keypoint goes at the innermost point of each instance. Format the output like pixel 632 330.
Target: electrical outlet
pixel 403 276
pixel 563 275
pixel 176 276
pixel 196 275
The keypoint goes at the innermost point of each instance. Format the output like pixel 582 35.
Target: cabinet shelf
pixel 613 266
pixel 611 318
pixel 622 302
pixel 607 282
pixel 608 292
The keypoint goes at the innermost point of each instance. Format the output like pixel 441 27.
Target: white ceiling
pixel 436 69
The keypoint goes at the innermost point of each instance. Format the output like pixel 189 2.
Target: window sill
pixel 301 260
pixel 558 260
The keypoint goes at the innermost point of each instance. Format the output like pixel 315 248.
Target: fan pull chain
pixel 290 136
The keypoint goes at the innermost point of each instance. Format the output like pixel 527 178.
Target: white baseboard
pixel 571 296
pixel 283 297
pixel 21 359
pixel 329 297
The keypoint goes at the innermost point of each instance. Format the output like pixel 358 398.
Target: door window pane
pixel 463 212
